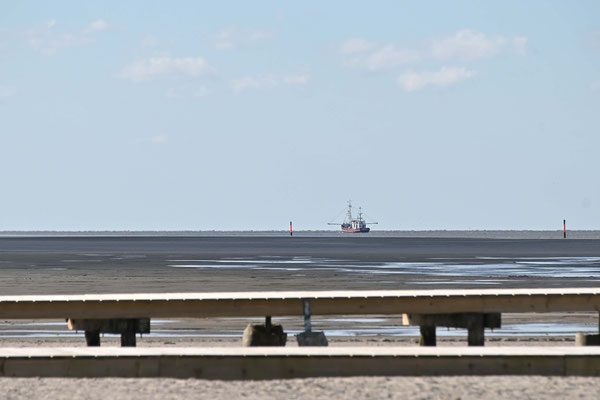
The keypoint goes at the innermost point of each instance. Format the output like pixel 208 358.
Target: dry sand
pixel 490 387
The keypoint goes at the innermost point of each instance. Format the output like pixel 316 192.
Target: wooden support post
pixel 128 339
pixel 476 336
pixel 475 323
pixel 427 337
pixel 128 333
pixel 126 327
pixel 92 338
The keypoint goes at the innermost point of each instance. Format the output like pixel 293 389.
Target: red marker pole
pixel 564 228
pixel 291 231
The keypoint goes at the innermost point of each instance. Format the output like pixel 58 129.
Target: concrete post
pixel 427 337
pixel 268 334
pixel 582 339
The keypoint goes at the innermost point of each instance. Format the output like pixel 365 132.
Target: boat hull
pixel 351 230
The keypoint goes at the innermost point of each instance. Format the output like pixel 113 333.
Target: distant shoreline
pixel 480 234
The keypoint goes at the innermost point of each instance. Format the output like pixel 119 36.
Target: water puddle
pixel 478 270
pixel 459 282
pixel 221 266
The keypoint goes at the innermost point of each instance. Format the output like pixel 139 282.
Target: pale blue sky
pixel 246 115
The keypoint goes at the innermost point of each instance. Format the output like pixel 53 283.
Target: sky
pixel 187 115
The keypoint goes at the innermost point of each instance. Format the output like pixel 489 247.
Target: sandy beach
pixel 490 387
pixel 68 265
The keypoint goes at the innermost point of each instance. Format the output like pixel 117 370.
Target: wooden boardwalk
pixel 256 304
pixel 278 363
pixel 473 309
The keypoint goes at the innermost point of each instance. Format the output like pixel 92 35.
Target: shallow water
pixel 479 270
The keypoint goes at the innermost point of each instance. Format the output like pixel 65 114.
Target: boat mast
pixel 349 213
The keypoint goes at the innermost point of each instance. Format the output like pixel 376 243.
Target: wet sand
pixel 71 265
pixel 334 341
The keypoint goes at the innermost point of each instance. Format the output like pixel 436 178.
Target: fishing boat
pixel 351 224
